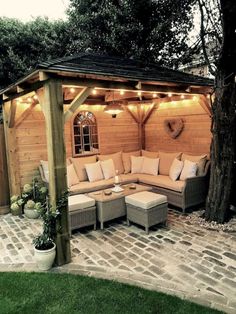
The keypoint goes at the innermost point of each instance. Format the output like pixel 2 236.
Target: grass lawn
pixel 62 293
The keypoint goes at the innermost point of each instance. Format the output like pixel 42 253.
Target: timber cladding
pixel 115 134
pixel 4 186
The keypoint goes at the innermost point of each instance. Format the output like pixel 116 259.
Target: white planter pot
pixel 45 258
pixel 31 213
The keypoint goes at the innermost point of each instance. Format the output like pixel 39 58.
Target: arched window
pixel 85 135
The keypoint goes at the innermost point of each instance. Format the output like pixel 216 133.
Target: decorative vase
pixel 31 213
pixel 45 258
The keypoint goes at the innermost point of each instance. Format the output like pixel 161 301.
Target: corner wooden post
pixel 11 152
pixel 54 118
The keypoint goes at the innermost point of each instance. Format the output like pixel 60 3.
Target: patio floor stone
pixel 183 259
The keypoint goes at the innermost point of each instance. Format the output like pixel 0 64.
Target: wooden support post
pixel 25 114
pixel 54 117
pixel 11 150
pixel 203 101
pixel 12 114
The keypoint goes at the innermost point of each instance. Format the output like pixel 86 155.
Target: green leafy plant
pixel 33 197
pixel 49 215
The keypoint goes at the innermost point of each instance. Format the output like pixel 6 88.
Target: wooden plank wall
pixel 115 135
pixel 4 186
pixel 196 136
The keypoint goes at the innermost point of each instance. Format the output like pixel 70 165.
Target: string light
pixel 169 94
pixel 72 90
pixel 182 96
pixel 194 98
pixel 29 99
pixel 94 91
pixel 154 95
pixel 139 93
pixel 122 92
pixel 35 97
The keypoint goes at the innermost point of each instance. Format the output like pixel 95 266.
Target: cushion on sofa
pixel 72 177
pixel 149 154
pixel 126 158
pixel 150 166
pixel 86 186
pixel 136 164
pixel 129 178
pixel 200 160
pixel 80 168
pixel 80 201
pixel 117 159
pixel 108 168
pixel 162 182
pixel 175 169
pixel 94 171
pixel 189 170
pixel 166 159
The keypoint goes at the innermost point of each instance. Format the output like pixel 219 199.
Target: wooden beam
pixel 110 96
pixel 54 118
pixel 25 114
pixel 12 114
pixel 43 76
pixel 149 112
pixel 79 100
pixel 133 115
pixel 203 101
pixel 12 153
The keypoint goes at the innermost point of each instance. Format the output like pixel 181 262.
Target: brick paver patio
pixel 182 259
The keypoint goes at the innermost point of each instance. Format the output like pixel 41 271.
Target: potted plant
pixel 44 243
pixel 31 200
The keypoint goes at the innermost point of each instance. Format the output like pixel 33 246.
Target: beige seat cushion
pixel 200 160
pixel 147 153
pixel 80 201
pixel 129 178
pixel 145 199
pixel 166 160
pixel 117 159
pixel 126 157
pixel 80 168
pixel 162 182
pixel 86 186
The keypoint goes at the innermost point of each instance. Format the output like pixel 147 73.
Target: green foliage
pixel 148 30
pixel 49 217
pixel 65 293
pixel 24 45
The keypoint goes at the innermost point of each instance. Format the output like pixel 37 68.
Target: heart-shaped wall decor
pixel 174 126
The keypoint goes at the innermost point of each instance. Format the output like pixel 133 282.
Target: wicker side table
pixel 146 209
pixel 82 211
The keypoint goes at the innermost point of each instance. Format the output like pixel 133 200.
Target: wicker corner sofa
pixel 183 194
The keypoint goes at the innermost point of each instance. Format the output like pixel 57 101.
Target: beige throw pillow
pixel 200 160
pixel 94 171
pixel 117 160
pixel 150 166
pixel 108 168
pixel 136 164
pixel 72 178
pixel 79 165
pixel 166 160
pixel 189 170
pixel 126 157
pixel 149 154
pixel 175 169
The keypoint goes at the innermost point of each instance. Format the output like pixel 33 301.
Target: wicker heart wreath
pixel 174 127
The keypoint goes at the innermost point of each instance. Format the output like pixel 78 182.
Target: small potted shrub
pixel 16 205
pixel 44 245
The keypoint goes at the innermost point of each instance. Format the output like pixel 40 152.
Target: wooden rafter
pixel 25 114
pixel 203 101
pixel 12 114
pixel 79 100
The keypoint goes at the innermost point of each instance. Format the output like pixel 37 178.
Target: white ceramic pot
pixel 45 258
pixel 31 213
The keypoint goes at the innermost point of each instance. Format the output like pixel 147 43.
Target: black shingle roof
pixel 90 63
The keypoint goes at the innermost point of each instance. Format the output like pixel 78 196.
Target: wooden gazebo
pixel 38 110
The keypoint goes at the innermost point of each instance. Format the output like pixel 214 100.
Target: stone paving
pixel 183 259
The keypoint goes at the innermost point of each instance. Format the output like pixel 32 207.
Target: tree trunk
pixel 223 124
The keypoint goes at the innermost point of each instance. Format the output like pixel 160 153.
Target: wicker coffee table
pixel 113 206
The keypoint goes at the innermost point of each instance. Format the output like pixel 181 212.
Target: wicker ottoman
pixel 146 209
pixel 82 211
